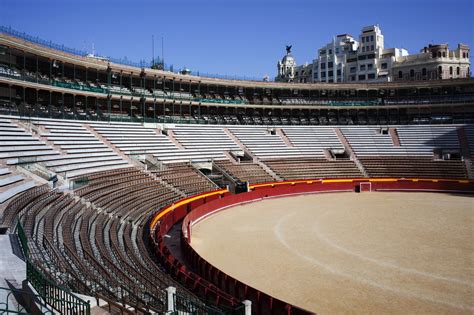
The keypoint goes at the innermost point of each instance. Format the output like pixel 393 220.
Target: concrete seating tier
pixel 414 140
pixel 209 141
pixel 263 144
pixel 100 253
pixel 413 167
pixel 421 140
pixel 318 139
pixel 16 143
pixel 186 178
pixel 469 130
pixel 92 156
pixel 307 168
pixel 249 172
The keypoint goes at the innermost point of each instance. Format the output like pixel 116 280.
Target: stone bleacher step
pixel 35 131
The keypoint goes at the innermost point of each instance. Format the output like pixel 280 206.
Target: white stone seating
pixel 9 193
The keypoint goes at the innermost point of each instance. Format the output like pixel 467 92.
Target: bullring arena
pixel 134 190
pixel 385 252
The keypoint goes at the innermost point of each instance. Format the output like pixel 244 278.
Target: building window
pixel 363 39
pixel 400 74
pixel 371 76
pixel 362 67
pixel 353 77
pixel 330 73
pixel 361 77
pixel 330 51
pixel 353 69
pixel 337 50
pixel 330 64
pixel 370 66
pixel 339 71
pixel 372 37
pixel 458 71
pixel 384 65
pixel 323 66
pixel 464 55
pixel 423 71
pixel 450 70
pixel 363 49
pixel 412 73
pixel 444 54
pixel 372 47
pixel 439 54
pixel 323 74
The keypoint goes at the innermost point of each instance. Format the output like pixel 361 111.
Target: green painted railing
pixel 9 304
pixel 57 297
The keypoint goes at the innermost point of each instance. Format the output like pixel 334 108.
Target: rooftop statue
pixel 288 48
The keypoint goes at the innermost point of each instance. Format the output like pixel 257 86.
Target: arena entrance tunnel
pixel 215 285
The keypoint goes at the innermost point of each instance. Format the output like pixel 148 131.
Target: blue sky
pixel 244 38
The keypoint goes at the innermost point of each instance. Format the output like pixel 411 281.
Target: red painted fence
pixel 218 287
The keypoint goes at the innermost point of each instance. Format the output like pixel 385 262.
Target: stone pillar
pixel 248 307
pixel 170 293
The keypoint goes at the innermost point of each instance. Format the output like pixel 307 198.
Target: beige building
pixel 345 59
pixel 433 62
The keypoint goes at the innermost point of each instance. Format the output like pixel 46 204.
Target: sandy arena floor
pixel 350 253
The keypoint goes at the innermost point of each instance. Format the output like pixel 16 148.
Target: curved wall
pixel 31 48
pixel 213 283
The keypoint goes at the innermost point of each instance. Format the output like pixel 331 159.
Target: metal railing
pixel 57 297
pixel 9 303
pixel 61 300
pixel 183 305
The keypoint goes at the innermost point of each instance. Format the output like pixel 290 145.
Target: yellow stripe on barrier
pixel 183 202
pixel 382 180
pixel 323 181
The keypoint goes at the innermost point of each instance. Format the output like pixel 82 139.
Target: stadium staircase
pixel 173 139
pixel 113 147
pixel 240 144
pixel 267 169
pixel 282 134
pixel 348 149
pixel 394 135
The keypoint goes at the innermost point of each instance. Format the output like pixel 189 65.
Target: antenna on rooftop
pixel 152 50
pixel 163 52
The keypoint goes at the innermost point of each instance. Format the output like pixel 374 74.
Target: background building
pixel 433 62
pixel 286 67
pixel 345 59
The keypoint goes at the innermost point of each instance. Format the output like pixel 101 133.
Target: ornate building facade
pixel 345 59
pixel 434 62
pixel 286 67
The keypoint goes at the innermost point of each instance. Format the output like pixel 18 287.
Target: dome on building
pixel 288 59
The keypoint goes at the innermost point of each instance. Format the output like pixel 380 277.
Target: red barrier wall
pixel 213 283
